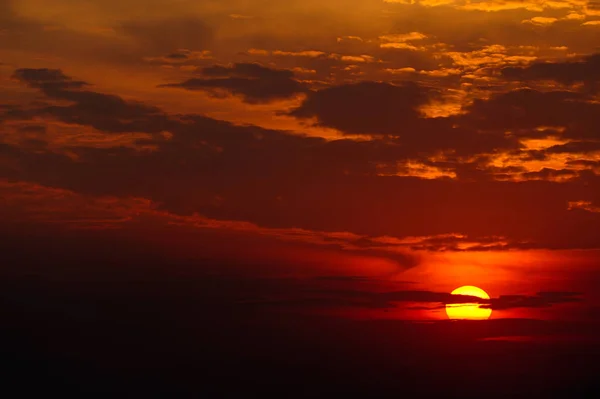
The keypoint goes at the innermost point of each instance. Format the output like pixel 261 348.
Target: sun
pixel 468 311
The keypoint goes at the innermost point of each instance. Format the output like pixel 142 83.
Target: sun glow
pixel 469 311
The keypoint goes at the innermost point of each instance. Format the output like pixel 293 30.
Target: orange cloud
pixel 584 205
pixel 540 21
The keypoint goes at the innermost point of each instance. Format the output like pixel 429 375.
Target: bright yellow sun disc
pixel 468 311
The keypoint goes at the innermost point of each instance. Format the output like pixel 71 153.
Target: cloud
pixel 373 108
pixel 49 207
pixel 586 70
pixel 27 203
pixel 354 58
pixel 226 172
pixel 350 38
pixel 105 112
pixel 240 16
pixel 399 46
pixel 527 109
pixel 352 109
pixel 429 300
pixel 253 82
pixel 247 70
pixel 540 21
pixel 584 205
pixel 540 300
pixel 574 147
pixel 497 5
pixel 50 81
pixel 401 40
pixel 181 56
pixel 303 53
pixel 364 299
pixel 401 70
pixel 549 174
pixel 403 37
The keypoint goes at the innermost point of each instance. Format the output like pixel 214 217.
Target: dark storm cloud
pixel 585 71
pixel 253 82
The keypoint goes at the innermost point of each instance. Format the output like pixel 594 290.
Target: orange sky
pixel 386 146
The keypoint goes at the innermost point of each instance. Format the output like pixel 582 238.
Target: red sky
pixel 283 186
pixel 347 158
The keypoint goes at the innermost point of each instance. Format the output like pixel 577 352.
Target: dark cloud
pixel 37 129
pixel 48 80
pixel 585 71
pixel 575 147
pixel 109 113
pixel 550 174
pixel 178 56
pixel 313 185
pixel 583 162
pixel 355 298
pixel 253 82
pixel 540 300
pixel 247 70
pixel 374 108
pixel 528 109
pixel 436 300
pixel 366 107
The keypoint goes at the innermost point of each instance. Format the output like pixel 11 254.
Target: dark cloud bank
pixel 279 179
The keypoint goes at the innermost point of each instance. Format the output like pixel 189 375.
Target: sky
pixel 301 165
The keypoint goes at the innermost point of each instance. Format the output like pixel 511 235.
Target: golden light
pixel 468 311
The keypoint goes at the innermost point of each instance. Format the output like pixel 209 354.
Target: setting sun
pixel 469 311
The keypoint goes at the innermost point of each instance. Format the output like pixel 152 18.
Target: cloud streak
pixel 253 82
